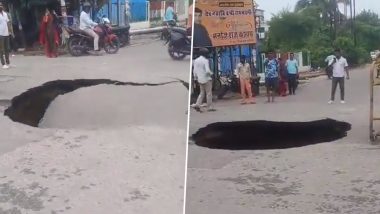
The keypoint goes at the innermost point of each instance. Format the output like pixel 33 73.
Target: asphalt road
pixel 101 149
pixel 335 177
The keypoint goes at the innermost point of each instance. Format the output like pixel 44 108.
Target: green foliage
pixel 319 44
pixel 368 30
pixel 368 17
pixel 308 29
pixel 288 30
pixel 355 55
pixel 302 4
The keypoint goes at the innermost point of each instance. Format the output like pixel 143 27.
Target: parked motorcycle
pixel 227 83
pixel 165 34
pixel 179 44
pixel 80 43
pixel 124 37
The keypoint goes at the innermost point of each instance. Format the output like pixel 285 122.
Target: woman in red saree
pixel 282 84
pixel 49 37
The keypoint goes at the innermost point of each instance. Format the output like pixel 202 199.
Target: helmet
pixel 106 20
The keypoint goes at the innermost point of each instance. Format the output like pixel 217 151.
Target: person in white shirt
pixel 4 37
pixel 203 74
pixel 340 71
pixel 87 25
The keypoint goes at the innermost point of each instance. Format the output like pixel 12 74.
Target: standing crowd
pixel 281 78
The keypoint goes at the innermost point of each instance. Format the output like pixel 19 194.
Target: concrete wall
pixel 157 11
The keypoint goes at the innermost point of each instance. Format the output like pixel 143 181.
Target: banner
pixel 224 23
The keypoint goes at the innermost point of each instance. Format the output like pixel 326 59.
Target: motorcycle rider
pixel 86 24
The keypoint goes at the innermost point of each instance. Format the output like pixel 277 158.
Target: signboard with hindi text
pixel 224 23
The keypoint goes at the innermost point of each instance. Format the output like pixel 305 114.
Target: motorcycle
pixel 227 83
pixel 179 44
pixel 80 43
pixel 124 37
pixel 165 31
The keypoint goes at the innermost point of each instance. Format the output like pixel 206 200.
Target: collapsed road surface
pixel 267 135
pixel 104 148
pixel 29 107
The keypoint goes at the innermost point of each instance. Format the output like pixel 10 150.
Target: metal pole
pixel 232 60
pixel 216 73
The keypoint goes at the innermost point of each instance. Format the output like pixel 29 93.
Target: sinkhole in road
pixel 266 135
pixel 29 107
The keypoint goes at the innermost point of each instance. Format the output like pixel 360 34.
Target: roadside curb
pixel 146 31
pixel 40 51
pixel 308 75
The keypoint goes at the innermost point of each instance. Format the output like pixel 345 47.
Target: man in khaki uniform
pixel 243 70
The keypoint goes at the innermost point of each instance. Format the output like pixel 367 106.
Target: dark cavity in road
pixel 29 107
pixel 264 135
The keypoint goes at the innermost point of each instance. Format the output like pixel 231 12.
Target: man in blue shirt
pixel 292 68
pixel 271 76
pixel 170 14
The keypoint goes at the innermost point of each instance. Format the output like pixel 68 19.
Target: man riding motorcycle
pixel 86 24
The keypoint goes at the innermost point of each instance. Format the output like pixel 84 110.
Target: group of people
pixel 50 30
pixel 49 34
pixel 276 72
pixel 279 72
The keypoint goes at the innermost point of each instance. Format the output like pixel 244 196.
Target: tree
pixel 305 30
pixel 368 17
pixel 290 30
pixel 368 30
pixel 302 4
